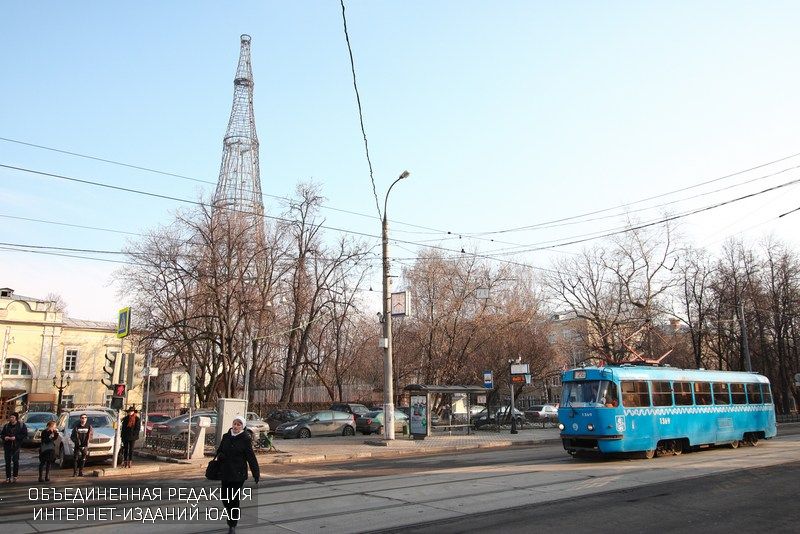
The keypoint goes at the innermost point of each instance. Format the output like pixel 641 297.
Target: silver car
pixel 102 444
pixel 179 426
pixel 36 422
pixel 256 424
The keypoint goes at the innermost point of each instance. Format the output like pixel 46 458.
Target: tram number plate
pixel 663 420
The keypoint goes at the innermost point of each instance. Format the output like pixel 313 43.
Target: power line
pixel 664 220
pixel 202 204
pixel 491 256
pixel 360 112
pixel 536 225
pixel 284 200
pixel 543 225
pixel 45 221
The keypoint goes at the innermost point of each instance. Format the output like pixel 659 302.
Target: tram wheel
pixel 649 454
pixel 677 447
pixel 664 448
pixel 751 440
pixel 734 444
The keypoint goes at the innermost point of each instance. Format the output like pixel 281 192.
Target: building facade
pixel 38 341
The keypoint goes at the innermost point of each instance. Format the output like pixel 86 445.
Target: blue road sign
pixel 488 380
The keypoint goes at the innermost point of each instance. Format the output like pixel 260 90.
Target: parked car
pixel 256 423
pixel 179 426
pixel 36 421
pixel 542 413
pixel 321 423
pixel 276 418
pixel 112 413
pixel 153 418
pixel 102 444
pixel 500 414
pixel 372 422
pixel 356 410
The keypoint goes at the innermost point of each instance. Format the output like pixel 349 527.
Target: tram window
pixel 767 394
pixel 607 396
pixel 737 394
pixel 662 394
pixel 754 393
pixel 702 393
pixel 582 392
pixel 721 395
pixel 683 393
pixel 635 393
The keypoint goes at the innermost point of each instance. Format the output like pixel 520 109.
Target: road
pixel 509 490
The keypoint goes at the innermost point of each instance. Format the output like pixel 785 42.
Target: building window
pixel 71 360
pixel 15 367
pixel 107 402
pixel 67 401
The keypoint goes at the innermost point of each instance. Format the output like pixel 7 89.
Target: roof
pixel 438 388
pixel 634 372
pixel 85 323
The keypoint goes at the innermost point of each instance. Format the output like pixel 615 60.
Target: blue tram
pixel 662 410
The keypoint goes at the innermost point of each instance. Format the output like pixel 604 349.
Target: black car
pixel 356 410
pixel 498 414
pixel 276 418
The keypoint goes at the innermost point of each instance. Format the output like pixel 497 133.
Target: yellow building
pixel 38 341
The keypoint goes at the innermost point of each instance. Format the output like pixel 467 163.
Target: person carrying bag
pixel 47 450
pixel 131 427
pixel 234 455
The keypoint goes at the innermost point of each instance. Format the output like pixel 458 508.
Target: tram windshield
pixel 590 393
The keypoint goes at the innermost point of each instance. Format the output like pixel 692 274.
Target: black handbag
pixel 214 469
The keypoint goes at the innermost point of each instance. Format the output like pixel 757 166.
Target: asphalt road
pixel 502 490
pixel 754 500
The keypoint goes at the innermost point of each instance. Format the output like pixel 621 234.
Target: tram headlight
pixel 561 426
pixel 590 427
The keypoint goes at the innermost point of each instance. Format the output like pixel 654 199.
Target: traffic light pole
pixel 118 422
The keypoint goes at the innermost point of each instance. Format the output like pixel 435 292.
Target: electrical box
pixel 227 409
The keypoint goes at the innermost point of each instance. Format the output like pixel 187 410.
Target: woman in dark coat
pixel 47 450
pixel 235 453
pixel 131 426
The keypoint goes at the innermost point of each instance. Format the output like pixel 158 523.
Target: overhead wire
pixel 360 111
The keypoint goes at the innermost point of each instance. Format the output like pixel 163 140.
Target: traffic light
pixel 108 369
pixel 119 390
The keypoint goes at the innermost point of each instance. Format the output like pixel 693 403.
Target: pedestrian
pixel 47 450
pixel 81 436
pixel 131 426
pixel 235 453
pixel 14 433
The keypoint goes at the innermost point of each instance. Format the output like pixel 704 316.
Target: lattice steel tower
pixel 239 185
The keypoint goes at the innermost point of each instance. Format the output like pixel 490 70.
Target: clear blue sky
pixel 506 113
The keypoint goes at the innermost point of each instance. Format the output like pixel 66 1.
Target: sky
pixel 506 114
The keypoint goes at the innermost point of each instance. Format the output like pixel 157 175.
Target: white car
pixel 256 424
pixel 102 444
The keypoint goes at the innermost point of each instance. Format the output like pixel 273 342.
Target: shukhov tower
pixel 239 185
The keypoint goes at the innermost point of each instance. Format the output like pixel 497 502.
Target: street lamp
pixel 386 341
pixel 61 383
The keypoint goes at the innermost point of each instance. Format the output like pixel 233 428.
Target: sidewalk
pixel 335 449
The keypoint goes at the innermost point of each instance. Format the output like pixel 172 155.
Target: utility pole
pixel 6 343
pixel 386 341
pixel 146 407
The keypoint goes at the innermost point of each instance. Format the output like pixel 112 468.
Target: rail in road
pixel 422 494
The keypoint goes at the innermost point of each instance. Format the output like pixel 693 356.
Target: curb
pixel 158 458
pixel 381 451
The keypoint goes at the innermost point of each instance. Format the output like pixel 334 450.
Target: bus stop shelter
pixel 455 414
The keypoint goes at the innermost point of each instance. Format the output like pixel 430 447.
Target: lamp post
pixel 61 383
pixel 386 341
